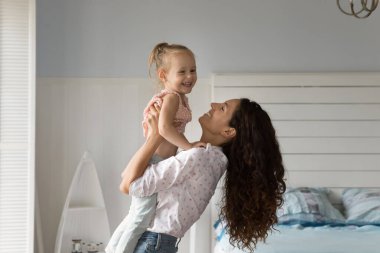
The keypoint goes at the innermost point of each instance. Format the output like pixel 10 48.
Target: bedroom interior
pixel 313 68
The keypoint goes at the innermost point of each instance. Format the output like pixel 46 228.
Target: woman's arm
pixel 165 174
pixel 139 162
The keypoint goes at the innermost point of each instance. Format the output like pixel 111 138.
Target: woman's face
pixel 218 118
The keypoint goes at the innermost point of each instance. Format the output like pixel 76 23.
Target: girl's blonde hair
pixel 159 55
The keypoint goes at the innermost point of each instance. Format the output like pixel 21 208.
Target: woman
pixel 241 141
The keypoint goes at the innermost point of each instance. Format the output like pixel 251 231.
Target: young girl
pixel 176 71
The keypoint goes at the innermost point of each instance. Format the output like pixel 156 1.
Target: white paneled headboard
pixel 327 124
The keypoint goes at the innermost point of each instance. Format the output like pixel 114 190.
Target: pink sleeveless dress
pixel 182 117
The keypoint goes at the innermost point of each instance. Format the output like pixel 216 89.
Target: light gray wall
pixel 112 38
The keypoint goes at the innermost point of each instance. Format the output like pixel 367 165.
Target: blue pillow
pixel 308 207
pixel 362 206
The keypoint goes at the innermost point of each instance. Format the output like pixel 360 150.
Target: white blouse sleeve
pixel 163 175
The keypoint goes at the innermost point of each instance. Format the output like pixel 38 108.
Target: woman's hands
pixel 153 131
pixel 139 162
pixel 198 144
pixel 153 116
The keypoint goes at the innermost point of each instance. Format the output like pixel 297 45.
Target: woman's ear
pixel 161 75
pixel 229 133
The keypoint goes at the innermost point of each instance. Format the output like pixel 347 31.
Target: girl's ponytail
pixel 156 56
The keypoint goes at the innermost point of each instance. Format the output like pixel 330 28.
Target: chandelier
pixel 362 8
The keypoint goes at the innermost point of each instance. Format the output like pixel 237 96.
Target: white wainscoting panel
pixel 74 115
pixel 103 116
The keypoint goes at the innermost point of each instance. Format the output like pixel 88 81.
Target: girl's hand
pixel 154 114
pixel 198 144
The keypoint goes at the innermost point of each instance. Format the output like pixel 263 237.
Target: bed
pixel 315 240
pixel 309 223
pixel 328 126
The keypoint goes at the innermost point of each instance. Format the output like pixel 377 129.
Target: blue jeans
pixel 141 213
pixel 151 242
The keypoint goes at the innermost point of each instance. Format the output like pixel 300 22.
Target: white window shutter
pixel 17 120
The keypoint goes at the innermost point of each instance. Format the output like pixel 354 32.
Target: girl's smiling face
pixel 181 74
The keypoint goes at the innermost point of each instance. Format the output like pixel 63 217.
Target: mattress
pixel 324 239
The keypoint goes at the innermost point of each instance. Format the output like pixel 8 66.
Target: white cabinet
pixel 84 215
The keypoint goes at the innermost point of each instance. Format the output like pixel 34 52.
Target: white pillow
pixel 362 206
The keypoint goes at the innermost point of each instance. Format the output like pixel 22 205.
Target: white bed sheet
pixel 326 239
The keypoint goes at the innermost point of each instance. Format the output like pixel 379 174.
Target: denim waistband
pixel 161 237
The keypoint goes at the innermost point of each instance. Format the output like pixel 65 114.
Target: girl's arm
pixel 166 127
pixel 139 162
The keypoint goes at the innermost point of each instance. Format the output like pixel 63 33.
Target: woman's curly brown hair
pixel 254 182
